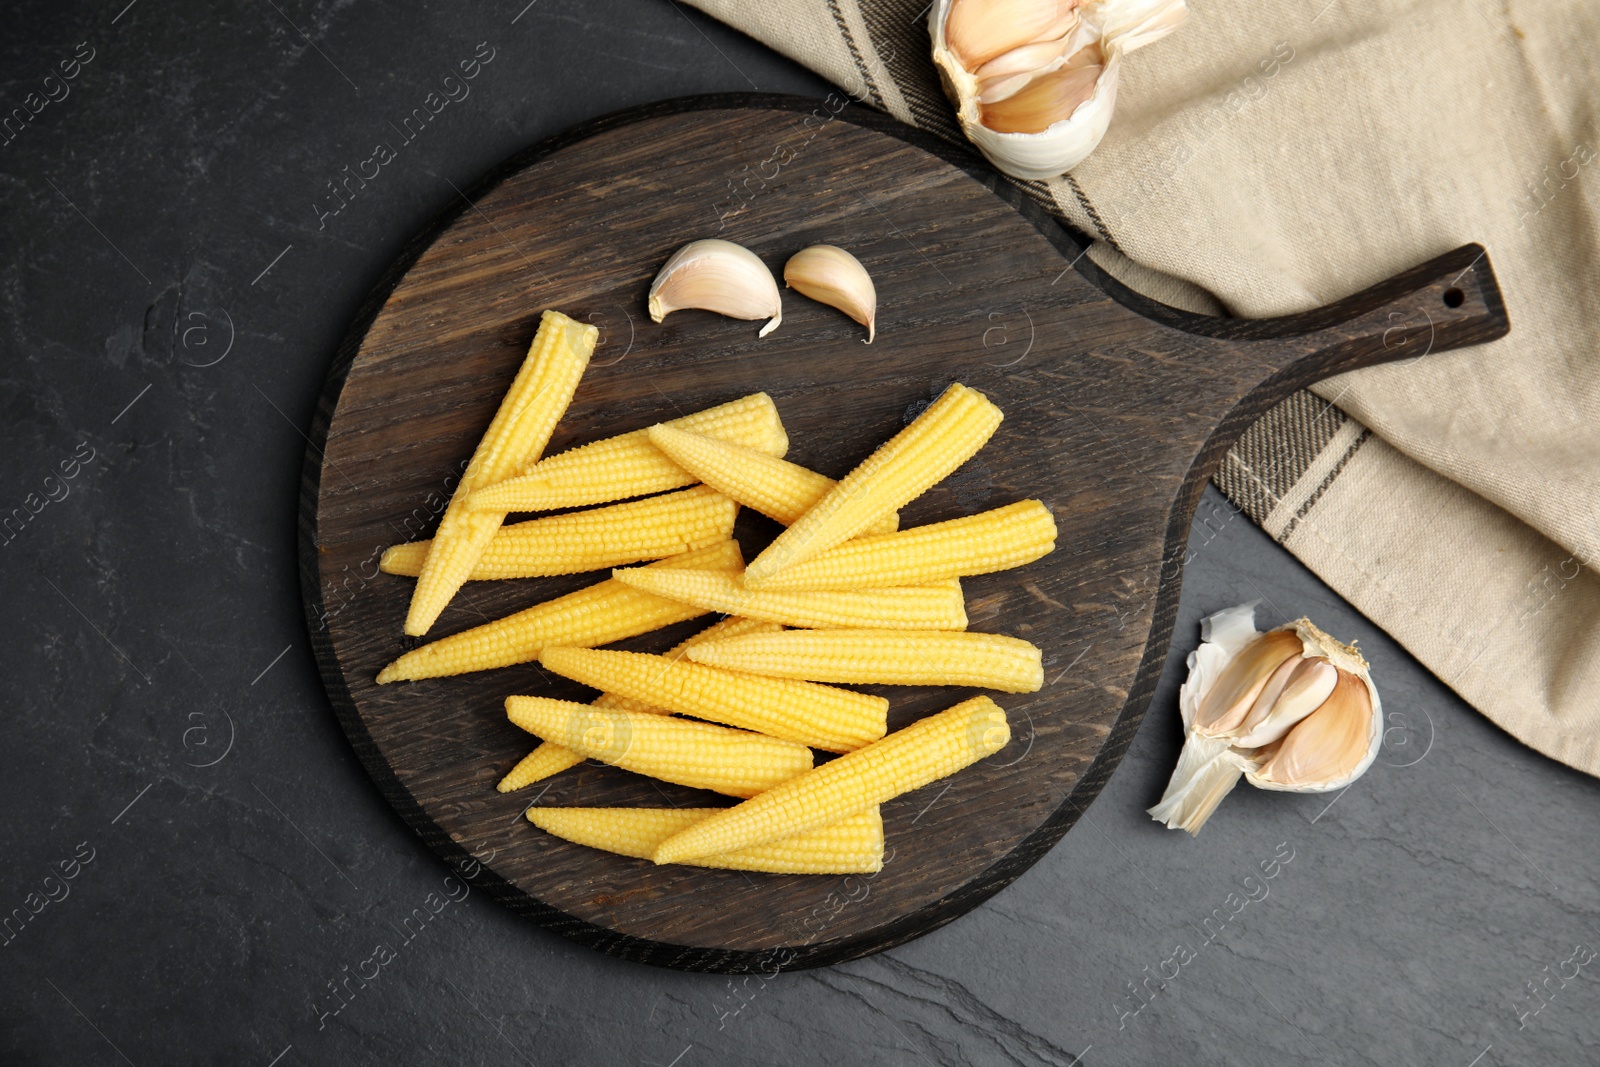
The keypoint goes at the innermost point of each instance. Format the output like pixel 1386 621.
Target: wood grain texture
pixel 1117 410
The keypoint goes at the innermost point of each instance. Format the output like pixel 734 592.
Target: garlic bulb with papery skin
pixel 1035 81
pixel 719 276
pixel 1291 709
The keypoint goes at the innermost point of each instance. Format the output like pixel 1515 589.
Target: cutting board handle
pixel 1451 301
pixel 1238 369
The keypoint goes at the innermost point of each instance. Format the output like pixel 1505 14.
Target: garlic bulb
pixel 1291 709
pixel 717 276
pixel 1035 81
pixel 830 275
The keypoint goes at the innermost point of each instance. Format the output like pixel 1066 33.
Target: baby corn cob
pixel 893 657
pixel 629 465
pixel 938 441
pixel 592 540
pixel 697 754
pixel 597 615
pixel 935 606
pixel 836 720
pixel 546 759
pixel 780 490
pixel 908 759
pixel 520 430
pixel 550 758
pixel 853 845
pixel 978 544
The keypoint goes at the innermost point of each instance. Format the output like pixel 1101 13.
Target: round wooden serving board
pixel 1116 411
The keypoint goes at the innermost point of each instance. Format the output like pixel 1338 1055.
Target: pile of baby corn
pixel 739 707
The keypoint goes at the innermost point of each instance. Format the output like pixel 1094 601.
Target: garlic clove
pixel 830 275
pixel 979 30
pixel 1329 747
pixel 1003 87
pixel 1230 698
pixel 1230 725
pixel 1310 684
pixel 1025 59
pixel 1006 75
pixel 1046 100
pixel 1062 26
pixel 719 276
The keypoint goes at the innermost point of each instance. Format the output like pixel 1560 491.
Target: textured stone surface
pixel 169 744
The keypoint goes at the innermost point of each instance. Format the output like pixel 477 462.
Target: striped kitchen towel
pixel 1271 157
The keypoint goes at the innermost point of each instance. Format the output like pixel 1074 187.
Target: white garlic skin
pixel 1119 25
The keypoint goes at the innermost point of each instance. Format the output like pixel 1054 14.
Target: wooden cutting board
pixel 1117 410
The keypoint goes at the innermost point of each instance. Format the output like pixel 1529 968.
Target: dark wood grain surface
pixel 1117 409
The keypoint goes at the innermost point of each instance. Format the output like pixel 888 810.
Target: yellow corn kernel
pixel 629 465
pixel 853 845
pixel 938 441
pixel 521 428
pixel 907 759
pixel 886 657
pixel 836 720
pixel 592 540
pixel 935 606
pixel 597 615
pixel 978 544
pixel 780 490
pixel 696 754
pixel 550 758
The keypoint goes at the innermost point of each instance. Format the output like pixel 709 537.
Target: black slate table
pixel 197 871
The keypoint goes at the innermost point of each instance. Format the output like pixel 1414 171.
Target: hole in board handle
pixel 1454 298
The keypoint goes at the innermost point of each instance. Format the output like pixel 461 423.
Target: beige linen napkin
pixel 1272 156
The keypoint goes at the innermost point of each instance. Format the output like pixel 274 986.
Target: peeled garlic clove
pixel 830 275
pixel 1291 709
pixel 1330 747
pixel 979 30
pixel 719 276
